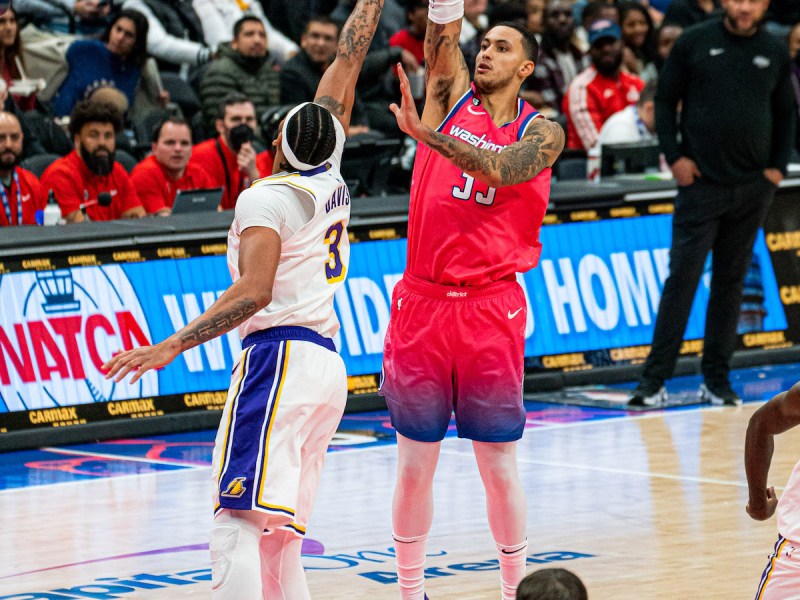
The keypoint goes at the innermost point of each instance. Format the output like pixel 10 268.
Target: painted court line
pixel 111 456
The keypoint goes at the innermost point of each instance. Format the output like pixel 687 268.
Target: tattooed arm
pixel 538 149
pixel 446 73
pixel 259 253
pixel 337 89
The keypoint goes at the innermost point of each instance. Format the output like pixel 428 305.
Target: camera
pixel 240 135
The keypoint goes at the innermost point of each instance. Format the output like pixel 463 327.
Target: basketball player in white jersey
pixel 780 579
pixel 288 253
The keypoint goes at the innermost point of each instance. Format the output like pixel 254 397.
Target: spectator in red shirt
pixel 79 179
pixel 412 38
pixel 19 191
pixel 601 90
pixel 230 159
pixel 158 177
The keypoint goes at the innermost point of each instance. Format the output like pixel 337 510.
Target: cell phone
pixel 240 135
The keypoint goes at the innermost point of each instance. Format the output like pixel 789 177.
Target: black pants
pixel 725 220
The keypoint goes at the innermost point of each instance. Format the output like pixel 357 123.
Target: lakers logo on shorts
pixel 235 488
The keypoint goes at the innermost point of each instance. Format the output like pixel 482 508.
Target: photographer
pixel 230 159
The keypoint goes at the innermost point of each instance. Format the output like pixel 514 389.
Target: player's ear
pixel 526 69
pixel 278 140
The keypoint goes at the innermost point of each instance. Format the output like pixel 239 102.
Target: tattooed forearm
pixel 329 102
pixel 444 61
pixel 211 327
pixel 358 30
pixel 518 162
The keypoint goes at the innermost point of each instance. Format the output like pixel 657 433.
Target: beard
pixel 9 159
pixel 97 163
pixel 610 68
pixel 487 87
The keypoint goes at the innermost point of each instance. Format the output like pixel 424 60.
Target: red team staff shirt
pixel 461 231
pixel 29 199
pixel 157 190
pixel 73 183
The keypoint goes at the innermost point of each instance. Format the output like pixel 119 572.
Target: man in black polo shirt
pixel 736 129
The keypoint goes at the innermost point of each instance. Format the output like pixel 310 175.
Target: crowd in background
pixel 188 93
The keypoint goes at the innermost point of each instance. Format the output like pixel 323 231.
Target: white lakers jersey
pixel 310 210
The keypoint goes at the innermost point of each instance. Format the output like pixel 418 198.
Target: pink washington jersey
pixel 461 231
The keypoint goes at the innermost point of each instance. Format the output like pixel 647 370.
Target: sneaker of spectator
pixel 300 77
pixel 243 66
pixel 83 18
pixel 175 35
pixel 560 60
pixel 600 90
pixel 639 37
pixel 115 60
pixel 89 183
pixel 218 18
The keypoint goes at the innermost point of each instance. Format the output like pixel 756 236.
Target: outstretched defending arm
pixel 538 149
pixel 336 90
pixel 776 416
pixel 446 73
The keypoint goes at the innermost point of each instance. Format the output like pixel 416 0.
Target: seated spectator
pixel 594 11
pixel 639 38
pixel 535 20
pixel 551 584
pixel 635 123
pixel 13 64
pixel 560 60
pixel 474 23
pixel 114 61
pixel 412 37
pixel 666 37
pixel 79 17
pixel 301 75
pixel 290 17
pixel 20 190
pixel 79 179
pixel 158 177
pixel 219 16
pixel 244 66
pixel 686 13
pixel 175 35
pixel 601 90
pixel 230 159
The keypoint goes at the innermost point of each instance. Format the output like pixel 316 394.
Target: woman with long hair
pixel 639 37
pixel 13 66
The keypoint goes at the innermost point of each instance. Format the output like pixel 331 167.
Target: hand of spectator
pixel 409 61
pixel 774 176
pixel 163 98
pixel 357 130
pixel 246 159
pixel 406 114
pixel 763 508
pixel 90 9
pixel 685 171
pixel 629 61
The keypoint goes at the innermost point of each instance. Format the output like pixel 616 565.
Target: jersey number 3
pixel 334 268
pixel 465 193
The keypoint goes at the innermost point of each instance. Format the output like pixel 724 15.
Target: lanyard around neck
pixel 7 201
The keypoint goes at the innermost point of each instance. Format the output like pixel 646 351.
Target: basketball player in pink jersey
pixel 780 578
pixel 455 342
pixel 288 253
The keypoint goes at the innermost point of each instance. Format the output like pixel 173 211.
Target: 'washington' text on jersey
pixel 474 140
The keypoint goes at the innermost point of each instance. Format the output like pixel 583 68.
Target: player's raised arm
pixel 776 416
pixel 446 73
pixel 336 90
pixel 538 149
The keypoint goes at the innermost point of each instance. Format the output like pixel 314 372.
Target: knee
pixel 413 476
pixel 230 534
pixel 500 480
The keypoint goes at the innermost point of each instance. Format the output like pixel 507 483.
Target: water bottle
pixel 52 212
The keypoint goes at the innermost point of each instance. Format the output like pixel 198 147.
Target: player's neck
pixel 502 105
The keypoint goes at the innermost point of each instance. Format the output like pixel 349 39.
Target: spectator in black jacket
pixel 727 169
pixel 689 12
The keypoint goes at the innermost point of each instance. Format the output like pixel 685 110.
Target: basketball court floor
pixel 645 505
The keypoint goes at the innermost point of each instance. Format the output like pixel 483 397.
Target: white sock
pixel 410 556
pixel 512 568
pixel 235 563
pixel 281 567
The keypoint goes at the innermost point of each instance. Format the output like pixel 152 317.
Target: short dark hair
pixel 237 27
pixel 412 5
pixel 648 93
pixel 593 11
pixel 230 100
pixel 529 43
pixel 174 120
pixel 138 54
pixel 89 111
pixel 311 134
pixel 511 10
pixel 551 584
pixel 321 20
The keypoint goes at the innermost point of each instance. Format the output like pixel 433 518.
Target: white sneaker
pixel 719 395
pixel 644 398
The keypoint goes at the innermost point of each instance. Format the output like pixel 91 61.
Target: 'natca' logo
pixel 235 488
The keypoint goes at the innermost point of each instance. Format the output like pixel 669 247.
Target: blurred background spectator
pixel 243 66
pixel 689 12
pixel 639 38
pixel 634 123
pixel 23 90
pixel 79 17
pixel 666 37
pixel 19 189
pixel 290 16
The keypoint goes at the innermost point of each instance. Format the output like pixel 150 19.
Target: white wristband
pixel 445 11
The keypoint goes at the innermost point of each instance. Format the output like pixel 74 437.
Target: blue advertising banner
pixel 597 287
